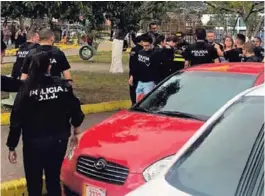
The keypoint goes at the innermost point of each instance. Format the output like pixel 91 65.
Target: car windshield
pixel 227 159
pixel 197 93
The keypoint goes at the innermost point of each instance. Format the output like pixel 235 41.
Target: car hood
pixel 157 187
pixel 136 139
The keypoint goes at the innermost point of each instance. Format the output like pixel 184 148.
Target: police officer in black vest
pixel 181 46
pixel 200 52
pixel 59 63
pixel 44 110
pixel 31 43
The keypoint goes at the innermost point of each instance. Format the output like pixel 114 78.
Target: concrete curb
pixel 87 109
pixel 18 187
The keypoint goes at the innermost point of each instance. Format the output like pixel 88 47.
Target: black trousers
pixel 46 155
pixel 133 92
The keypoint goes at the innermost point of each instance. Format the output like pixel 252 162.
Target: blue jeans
pixel 144 88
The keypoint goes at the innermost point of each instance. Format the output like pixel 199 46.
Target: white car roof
pixel 259 91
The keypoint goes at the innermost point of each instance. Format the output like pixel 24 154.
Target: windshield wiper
pixel 182 115
pixel 140 109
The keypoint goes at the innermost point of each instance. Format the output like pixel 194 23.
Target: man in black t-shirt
pixel 259 50
pixel 31 43
pixel 59 63
pixel 236 54
pixel 153 32
pixel 145 70
pixel 211 40
pixel 200 52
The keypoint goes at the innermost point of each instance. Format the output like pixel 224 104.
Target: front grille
pixel 112 173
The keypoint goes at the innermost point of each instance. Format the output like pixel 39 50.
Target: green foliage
pixel 35 9
pixel 247 10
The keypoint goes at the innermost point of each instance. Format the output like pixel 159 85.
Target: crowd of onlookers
pixel 156 56
pixel 13 35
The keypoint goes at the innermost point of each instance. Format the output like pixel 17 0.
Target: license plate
pixel 94 191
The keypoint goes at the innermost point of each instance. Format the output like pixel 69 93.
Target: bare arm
pixel 67 74
pixel 23 76
pixel 218 49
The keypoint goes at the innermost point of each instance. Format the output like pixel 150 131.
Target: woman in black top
pixel 44 110
pixel 20 38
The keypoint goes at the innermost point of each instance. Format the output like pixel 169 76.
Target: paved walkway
pixel 13 172
pixel 104 46
pixel 94 67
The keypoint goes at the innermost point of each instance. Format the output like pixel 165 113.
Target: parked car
pixel 224 157
pixel 130 148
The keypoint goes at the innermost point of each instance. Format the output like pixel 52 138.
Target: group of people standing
pixel 155 56
pixel 44 111
pixel 13 35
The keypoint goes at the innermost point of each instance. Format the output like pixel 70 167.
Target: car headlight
pixel 70 153
pixel 154 169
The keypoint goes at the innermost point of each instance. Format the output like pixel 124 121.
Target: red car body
pixel 135 140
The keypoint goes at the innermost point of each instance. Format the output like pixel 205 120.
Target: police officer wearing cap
pixel 31 43
pixel 45 108
pixel 200 52
pixel 59 63
pixel 133 81
pixel 181 45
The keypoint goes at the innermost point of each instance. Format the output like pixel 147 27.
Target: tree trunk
pixel 117 49
pixel 259 26
pixel 248 29
pixel 234 28
pixel 21 22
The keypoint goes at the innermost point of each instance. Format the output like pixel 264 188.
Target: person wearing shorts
pixel 146 69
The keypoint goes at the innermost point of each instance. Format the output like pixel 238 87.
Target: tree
pixel 247 10
pixel 38 9
pixel 125 15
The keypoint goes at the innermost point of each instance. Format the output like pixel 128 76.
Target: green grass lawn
pixel 100 57
pixel 92 87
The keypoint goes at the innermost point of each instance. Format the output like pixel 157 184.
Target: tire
pixel 86 52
